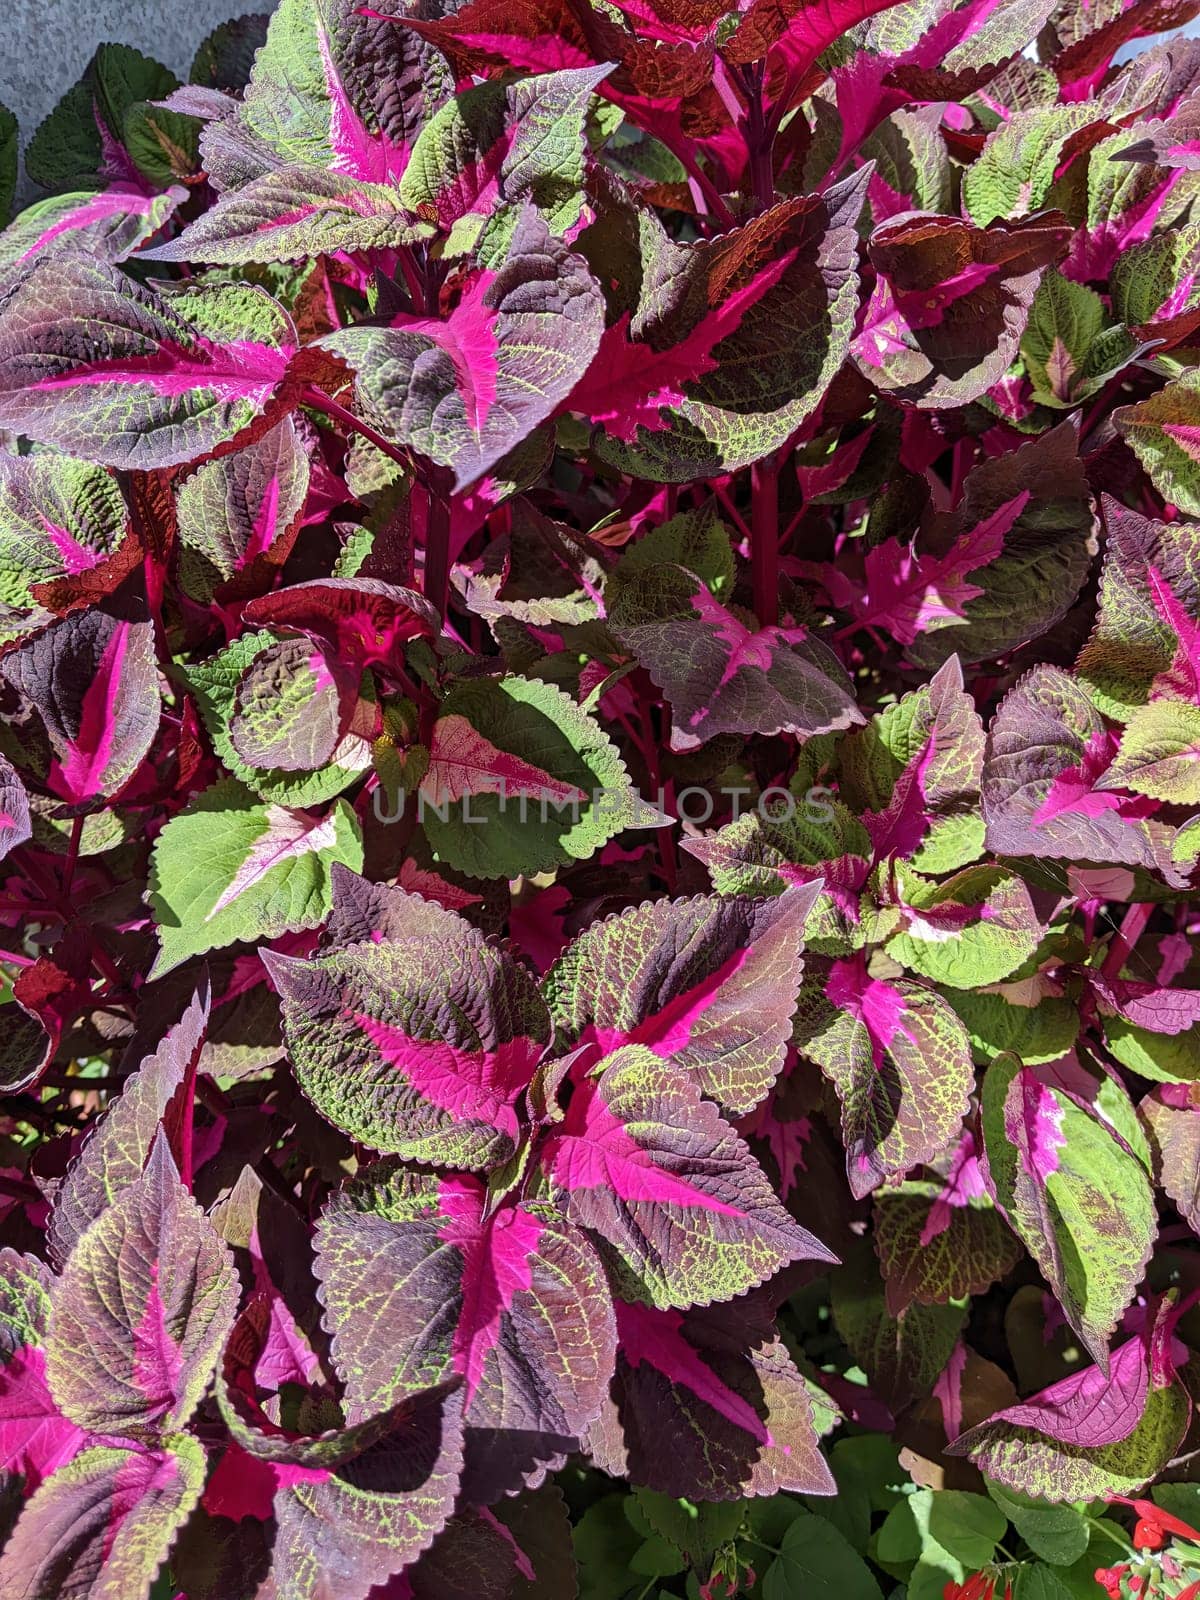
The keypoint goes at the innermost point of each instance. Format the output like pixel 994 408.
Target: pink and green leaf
pixel 680 1210
pixel 1074 1193
pixel 707 983
pixel 156 379
pixel 419 1044
pixel 148 1296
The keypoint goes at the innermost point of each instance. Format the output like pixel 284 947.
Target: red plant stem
pixel 154 575
pixel 436 580
pixel 764 475
pixel 709 190
pixel 73 854
pixel 735 515
pixel 1133 925
pixel 764 539
pixel 336 412
pixel 760 140
pixel 412 279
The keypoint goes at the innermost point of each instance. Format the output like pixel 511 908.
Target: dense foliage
pixel 600 726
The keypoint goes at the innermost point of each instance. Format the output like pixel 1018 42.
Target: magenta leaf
pixel 1048 751
pixel 950 304
pixel 91 676
pixel 65 538
pixel 801 31
pixel 14 809
pixel 940 1241
pixel 462 761
pixel 1147 1005
pixel 418 1044
pixel 367 1520
pixel 35 1437
pixel 301 1457
pixel 157 1094
pixel 240 514
pixel 332 89
pixel 708 983
pixel 108 225
pixel 148 1294
pixel 913 773
pixel 362 619
pixel 489 147
pixel 681 1212
pixel 104 1523
pixel 732 342
pixel 463 391
pixel 460 1288
pixel 1145 643
pixel 964 584
pixel 695 1412
pixel 293 213
pixel 719 673
pixel 900 1061
pixel 1089 1434
pixel 160 377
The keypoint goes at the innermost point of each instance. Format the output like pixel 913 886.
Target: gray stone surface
pixel 45 44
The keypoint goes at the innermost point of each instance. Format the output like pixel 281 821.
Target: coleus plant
pixel 599 803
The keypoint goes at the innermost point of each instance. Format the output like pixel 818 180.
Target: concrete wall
pixel 45 44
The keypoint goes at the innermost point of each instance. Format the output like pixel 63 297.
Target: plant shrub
pixel 600 709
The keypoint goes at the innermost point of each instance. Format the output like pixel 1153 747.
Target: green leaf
pixel 656 1558
pixel 1013 173
pixel 215 684
pixel 584 798
pixel 69 144
pixel 1163 431
pixel 967 1527
pixel 1159 754
pixel 1080 1202
pixel 230 868
pixel 815 1561
pixel 1182 1500
pixel 1146 276
pixel 8 162
pixel 1038 1033
pixel 1161 1057
pixel 1001 934
pixel 903 1356
pixel 605 1544
pixel 1069 346
pixel 164 145
pixel 698 1528
pixel 1057 1533
pixel 1035 1582
pixel 527 137
pixel 697 540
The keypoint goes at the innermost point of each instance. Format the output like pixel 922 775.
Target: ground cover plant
pixel 600 766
